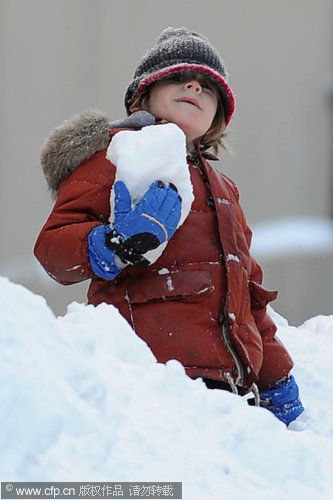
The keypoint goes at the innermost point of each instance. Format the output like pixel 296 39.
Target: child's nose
pixel 193 85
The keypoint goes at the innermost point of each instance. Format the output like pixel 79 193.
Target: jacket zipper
pixel 239 371
pixel 238 376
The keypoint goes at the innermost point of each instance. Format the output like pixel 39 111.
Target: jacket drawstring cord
pixel 231 382
pixel 254 389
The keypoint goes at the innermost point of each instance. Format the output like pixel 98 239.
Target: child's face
pixel 187 99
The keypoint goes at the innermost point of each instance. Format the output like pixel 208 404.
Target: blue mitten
pixel 134 231
pixel 104 261
pixel 150 223
pixel 283 400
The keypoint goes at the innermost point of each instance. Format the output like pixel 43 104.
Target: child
pixel 201 302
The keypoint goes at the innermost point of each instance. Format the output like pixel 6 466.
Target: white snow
pixel 170 284
pixel 230 257
pixel 83 399
pixel 164 270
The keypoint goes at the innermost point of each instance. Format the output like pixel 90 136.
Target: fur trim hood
pixel 79 138
pixel 76 140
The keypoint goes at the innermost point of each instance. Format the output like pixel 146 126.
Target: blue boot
pixel 283 400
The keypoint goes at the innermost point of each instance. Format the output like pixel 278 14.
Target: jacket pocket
pixel 260 297
pixel 169 285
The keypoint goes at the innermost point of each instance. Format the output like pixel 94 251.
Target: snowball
pixel 152 153
pixel 156 152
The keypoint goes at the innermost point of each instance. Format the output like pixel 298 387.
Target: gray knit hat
pixel 178 49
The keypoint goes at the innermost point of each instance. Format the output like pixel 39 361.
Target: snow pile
pixel 83 399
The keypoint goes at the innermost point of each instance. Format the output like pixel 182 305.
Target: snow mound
pixel 83 399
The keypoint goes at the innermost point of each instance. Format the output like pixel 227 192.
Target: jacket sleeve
pixel 83 196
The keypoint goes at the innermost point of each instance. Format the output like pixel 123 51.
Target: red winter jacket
pixel 201 302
